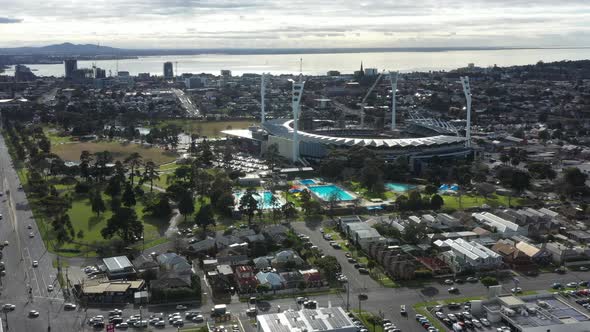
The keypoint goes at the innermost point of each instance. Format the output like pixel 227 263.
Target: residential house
pixel 312 277
pixel 512 256
pixel 272 280
pixel 292 279
pixel 394 261
pixel 263 262
pixel 245 279
pixel 465 256
pixel 499 225
pixel 287 259
pixel 561 253
pixel 275 233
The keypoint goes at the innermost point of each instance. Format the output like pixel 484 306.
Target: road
pixel 26 246
pixel 187 103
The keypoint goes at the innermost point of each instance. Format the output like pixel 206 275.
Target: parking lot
pixel 457 314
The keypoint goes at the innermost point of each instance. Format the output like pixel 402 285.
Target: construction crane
pixel 364 101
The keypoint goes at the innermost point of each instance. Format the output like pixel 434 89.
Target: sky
pixel 296 23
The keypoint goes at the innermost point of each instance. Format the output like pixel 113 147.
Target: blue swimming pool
pixel 264 201
pixel 307 182
pixel 327 191
pixel 399 187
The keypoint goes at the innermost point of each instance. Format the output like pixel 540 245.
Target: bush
pixel 489 281
pixel 82 188
pixel 423 274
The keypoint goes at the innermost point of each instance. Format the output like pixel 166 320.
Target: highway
pixel 187 103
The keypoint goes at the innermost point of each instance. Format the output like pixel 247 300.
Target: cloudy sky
pixel 295 23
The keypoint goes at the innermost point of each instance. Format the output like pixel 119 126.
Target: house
pixel 287 259
pixel 262 263
pixel 537 255
pixel 561 253
pixel 512 256
pixel 499 225
pixel 362 234
pixel 222 279
pixel 109 292
pixel 394 261
pixel 174 263
pixel 292 279
pixel 312 277
pixel 467 256
pixel 272 280
pixel 119 268
pixel 245 279
pixel 233 255
pixel 275 233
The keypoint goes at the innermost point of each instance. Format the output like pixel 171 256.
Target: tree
pixel 504 158
pixel 485 189
pixel 305 196
pixel 134 161
pixel 271 156
pixel 128 197
pixel 124 223
pixel 97 203
pixel 289 211
pixel 150 174
pixel 573 182
pixel 80 235
pixel 224 204
pixel 248 205
pixel 329 266
pixel 436 202
pixel 372 177
pixel 115 203
pixel 489 281
pixel 113 187
pixel 206 154
pixel 100 165
pixel 430 190
pixel 205 217
pixel 186 205
pixel 85 160
pixel 159 207
pixel 414 233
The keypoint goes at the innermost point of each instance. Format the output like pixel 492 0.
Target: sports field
pixel 72 151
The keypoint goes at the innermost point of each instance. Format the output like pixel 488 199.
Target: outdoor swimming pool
pixel 264 201
pixel 327 191
pixel 399 187
pixel 307 182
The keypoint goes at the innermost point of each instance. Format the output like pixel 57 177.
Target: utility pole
pixel 347 297
pixel 6 319
pixel 467 92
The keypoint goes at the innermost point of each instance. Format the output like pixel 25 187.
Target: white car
pixel 181 307
pixel 160 323
pixel 33 313
pixel 439 314
pixel 35 263
pixel 69 306
pixel 122 325
pixel 5 243
pixel 31 234
pixel 485 322
pixel 449 282
pixel 516 290
pixel 583 268
pixel 50 288
pixel 476 323
pixel 572 284
pixel 141 323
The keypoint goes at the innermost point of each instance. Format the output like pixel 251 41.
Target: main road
pixel 25 286
pixel 187 103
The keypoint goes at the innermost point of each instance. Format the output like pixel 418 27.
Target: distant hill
pixel 63 49
pixel 89 50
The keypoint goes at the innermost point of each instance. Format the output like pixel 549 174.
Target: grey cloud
pixel 7 20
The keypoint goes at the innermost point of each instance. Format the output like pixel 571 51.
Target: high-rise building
pixel 99 73
pixel 226 73
pixel 168 70
pixel 23 73
pixel 71 65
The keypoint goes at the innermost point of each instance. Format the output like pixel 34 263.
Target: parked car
pixel 362 270
pixel 33 313
pixel 471 279
pixel 453 290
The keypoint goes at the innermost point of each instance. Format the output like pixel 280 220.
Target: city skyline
pixel 300 24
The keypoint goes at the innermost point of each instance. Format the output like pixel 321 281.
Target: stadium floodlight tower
pixel 297 91
pixel 393 80
pixel 467 92
pixel 262 91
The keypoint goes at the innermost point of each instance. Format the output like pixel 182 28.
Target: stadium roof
pixel 282 128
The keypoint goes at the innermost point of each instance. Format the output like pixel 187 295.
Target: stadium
pixel 419 139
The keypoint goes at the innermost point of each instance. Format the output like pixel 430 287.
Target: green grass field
pixel 85 220
pixel 207 128
pixel 469 201
pixel 72 151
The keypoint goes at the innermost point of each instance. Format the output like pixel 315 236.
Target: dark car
pixel 453 290
pixel 447 322
pixel 363 270
pixel 453 305
pixel 459 281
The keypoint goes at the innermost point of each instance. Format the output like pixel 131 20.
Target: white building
pixel 332 319
pixel 499 225
pixel 463 255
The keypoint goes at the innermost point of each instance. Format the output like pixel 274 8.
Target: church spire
pixel 362 71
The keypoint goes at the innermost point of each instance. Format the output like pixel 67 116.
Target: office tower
pixel 168 70
pixel 71 65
